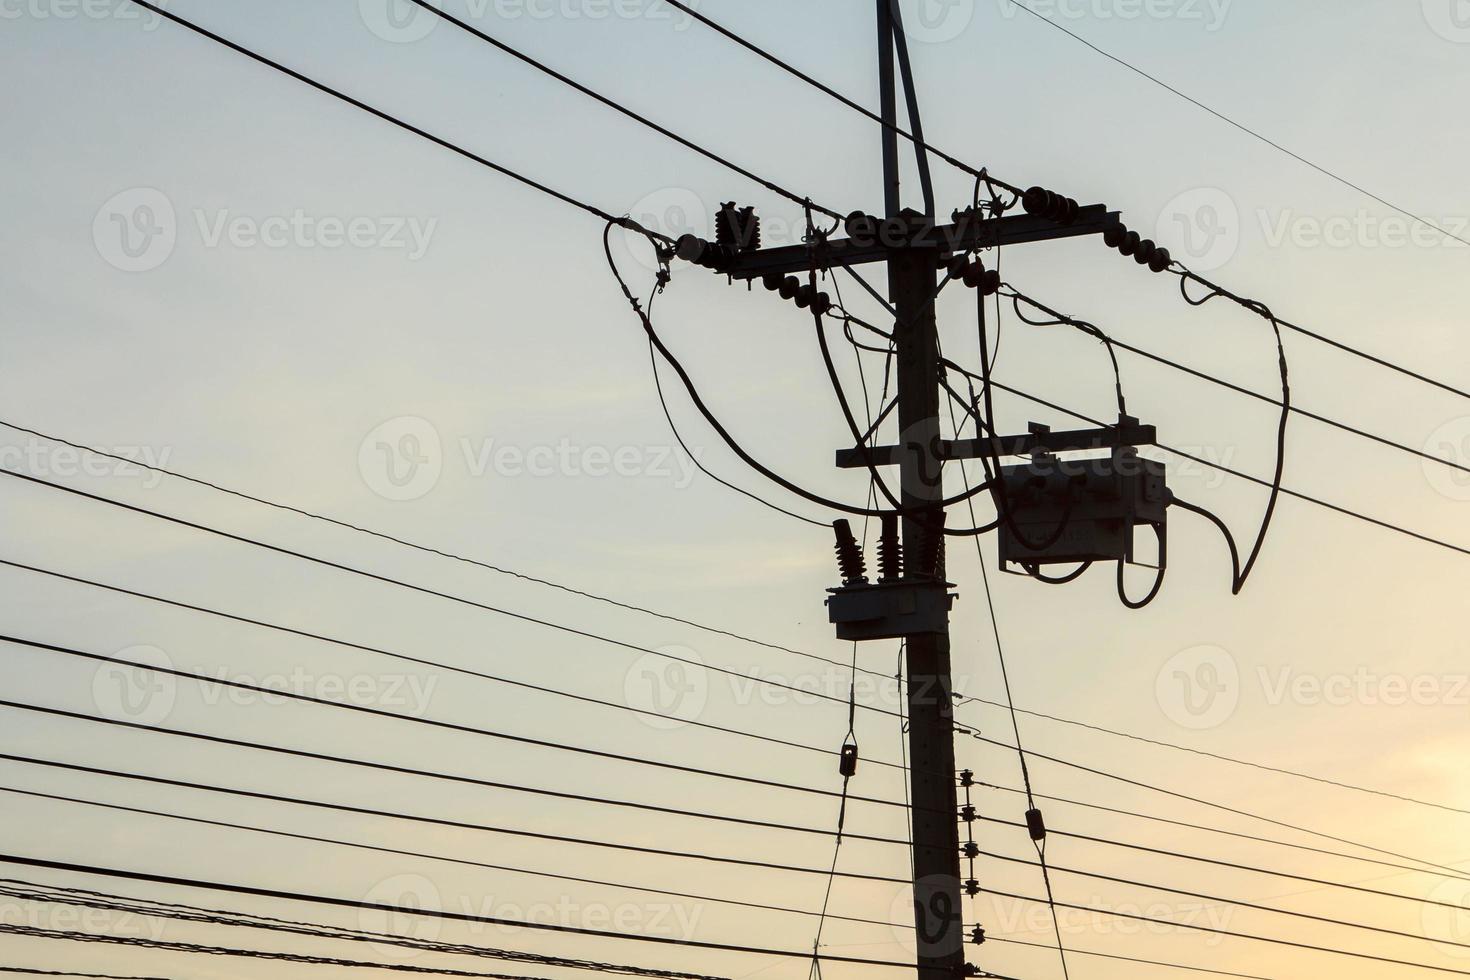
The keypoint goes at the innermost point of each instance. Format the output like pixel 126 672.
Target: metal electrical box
pixel 889 610
pixel 1080 510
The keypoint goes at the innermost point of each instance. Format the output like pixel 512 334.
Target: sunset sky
pixel 211 267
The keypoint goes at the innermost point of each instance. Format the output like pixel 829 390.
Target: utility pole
pixel 912 602
pixel 912 279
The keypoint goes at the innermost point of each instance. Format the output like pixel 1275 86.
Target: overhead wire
pixel 624 222
pixel 376 712
pixel 1254 134
pixel 442 914
pixel 436 11
pixel 1230 934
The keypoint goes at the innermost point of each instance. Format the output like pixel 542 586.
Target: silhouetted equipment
pixel 850 561
pixel 972 273
pixel 1035 825
pixel 1050 205
pixel 1143 250
pixel 804 295
pixel 847 764
pixel 897 605
pixel 890 551
pixel 1066 511
pixel 737 228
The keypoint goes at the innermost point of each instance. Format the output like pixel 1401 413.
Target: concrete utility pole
pixel 912 280
pixel 914 606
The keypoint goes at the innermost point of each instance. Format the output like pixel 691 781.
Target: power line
pixel 1211 930
pixel 984 174
pixel 55 894
pixel 917 140
pixel 1239 903
pixel 424 590
pixel 289 896
pixel 432 722
pixel 667 617
pixel 36 932
pixel 1019 297
pixel 1001 654
pixel 56 973
pixel 84 898
pixel 1128 959
pixel 1307 848
pixel 1233 760
pixel 379 651
pixel 1287 491
pixel 1238 125
pixel 425 773
pixel 465 862
pixel 624 222
pixel 404 770
pixel 619 107
pixel 1213 805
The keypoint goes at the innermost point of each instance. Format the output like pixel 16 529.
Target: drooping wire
pixel 1241 572
pixel 1005 677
